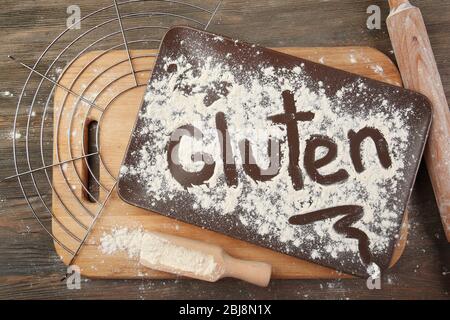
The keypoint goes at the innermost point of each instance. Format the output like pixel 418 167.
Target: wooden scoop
pixel 419 72
pixel 199 260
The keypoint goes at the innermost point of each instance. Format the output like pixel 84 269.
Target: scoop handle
pixel 257 273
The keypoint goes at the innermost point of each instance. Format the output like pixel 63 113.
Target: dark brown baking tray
pixel 133 190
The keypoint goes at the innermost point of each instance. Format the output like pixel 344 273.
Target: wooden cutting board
pixel 105 78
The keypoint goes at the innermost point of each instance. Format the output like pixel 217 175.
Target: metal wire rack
pixel 126 25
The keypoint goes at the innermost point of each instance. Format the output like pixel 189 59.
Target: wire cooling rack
pixel 127 25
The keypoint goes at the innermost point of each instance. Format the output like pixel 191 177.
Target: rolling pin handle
pixel 257 273
pixel 395 3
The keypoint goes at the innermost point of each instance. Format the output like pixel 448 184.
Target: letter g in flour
pixel 186 178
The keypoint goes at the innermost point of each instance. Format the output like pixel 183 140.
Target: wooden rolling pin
pixel 198 260
pixel 419 72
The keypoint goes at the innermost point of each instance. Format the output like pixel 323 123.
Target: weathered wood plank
pixel 29 267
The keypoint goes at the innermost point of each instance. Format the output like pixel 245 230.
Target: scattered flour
pixel 377 68
pixel 14 135
pixel 58 70
pixel 122 239
pixel 6 94
pixel 374 271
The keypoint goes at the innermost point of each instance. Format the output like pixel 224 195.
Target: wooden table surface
pixel 29 266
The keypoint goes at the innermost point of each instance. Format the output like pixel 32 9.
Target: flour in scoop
pixel 158 253
pixel 161 254
pixel 122 239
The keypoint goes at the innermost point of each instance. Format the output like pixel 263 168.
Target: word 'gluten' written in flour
pixel 289 119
